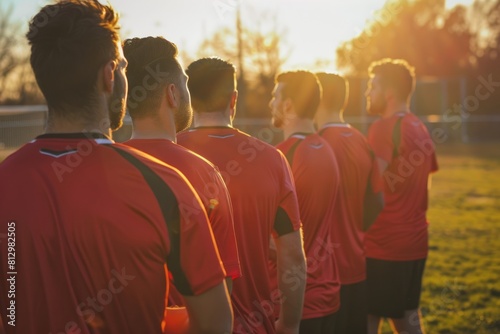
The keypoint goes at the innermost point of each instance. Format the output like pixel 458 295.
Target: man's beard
pixel 117 104
pixel 278 119
pixel 376 107
pixel 184 115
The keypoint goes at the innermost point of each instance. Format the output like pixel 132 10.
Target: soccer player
pixel 165 110
pixel 360 195
pixel 397 243
pixel 296 97
pixel 93 225
pixel 264 202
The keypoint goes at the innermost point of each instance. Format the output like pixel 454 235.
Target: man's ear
pixel 234 99
pixel 232 104
pixel 172 95
pixel 108 77
pixel 287 105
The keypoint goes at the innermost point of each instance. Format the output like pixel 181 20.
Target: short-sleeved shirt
pixel 264 203
pixel 316 176
pixel 357 167
pixel 95 224
pixel 208 183
pixel 400 231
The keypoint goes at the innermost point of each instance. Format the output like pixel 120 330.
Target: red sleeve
pixel 200 258
pixel 197 266
pixel 191 252
pixel 380 140
pixel 288 216
pixel 221 218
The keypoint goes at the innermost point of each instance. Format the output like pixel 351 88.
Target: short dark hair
pixel 152 64
pixel 396 74
pixel 304 89
pixel 70 41
pixel 335 91
pixel 211 84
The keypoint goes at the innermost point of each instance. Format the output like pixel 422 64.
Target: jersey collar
pixel 336 125
pixel 100 138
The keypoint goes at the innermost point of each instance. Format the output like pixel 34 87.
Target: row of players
pixel 109 226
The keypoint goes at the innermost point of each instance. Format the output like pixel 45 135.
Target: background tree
pixel 435 40
pixel 262 54
pixel 17 82
pixel 485 23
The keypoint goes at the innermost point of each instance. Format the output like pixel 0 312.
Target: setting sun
pixel 312 29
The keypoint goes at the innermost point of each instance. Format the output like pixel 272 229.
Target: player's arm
pixel 290 256
pixel 196 268
pixel 291 268
pixel 210 312
pixel 229 285
pixel 200 314
pixel 221 217
pixel 382 165
pixel 272 250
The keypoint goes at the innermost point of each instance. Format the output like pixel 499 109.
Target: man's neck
pixel 98 122
pixel 295 125
pixel 395 108
pixel 213 118
pixel 154 128
pixel 323 117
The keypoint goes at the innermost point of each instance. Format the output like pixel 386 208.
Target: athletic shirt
pixel 400 231
pixel 264 202
pixel 95 223
pixel 357 168
pixel 316 176
pixel 209 185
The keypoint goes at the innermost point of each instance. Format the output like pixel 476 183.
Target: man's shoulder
pixel 140 160
pixel 23 157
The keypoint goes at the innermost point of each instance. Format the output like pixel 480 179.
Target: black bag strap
pixel 396 136
pixel 291 152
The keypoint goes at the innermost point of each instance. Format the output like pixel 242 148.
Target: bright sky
pixel 314 27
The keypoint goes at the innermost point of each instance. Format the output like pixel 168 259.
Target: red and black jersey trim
pixel 282 223
pixel 170 210
pixel 291 152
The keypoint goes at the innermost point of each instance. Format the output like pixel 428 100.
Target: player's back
pixel 316 176
pixel 258 180
pixel 95 223
pixel 213 193
pixel 356 167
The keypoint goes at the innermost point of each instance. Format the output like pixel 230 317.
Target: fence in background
pixel 20 124
pixel 454 109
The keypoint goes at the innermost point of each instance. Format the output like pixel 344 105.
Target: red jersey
pixel 317 178
pixel 208 183
pixel 264 203
pixel 400 231
pixel 357 168
pixel 93 224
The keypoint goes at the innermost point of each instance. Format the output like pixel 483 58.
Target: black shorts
pixel 393 286
pixel 323 325
pixel 353 315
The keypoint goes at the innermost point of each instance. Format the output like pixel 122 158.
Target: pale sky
pixel 314 27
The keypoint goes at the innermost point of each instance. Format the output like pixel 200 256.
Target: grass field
pixel 461 292
pixel 462 281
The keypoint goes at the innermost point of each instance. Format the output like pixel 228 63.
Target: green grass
pixel 461 288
